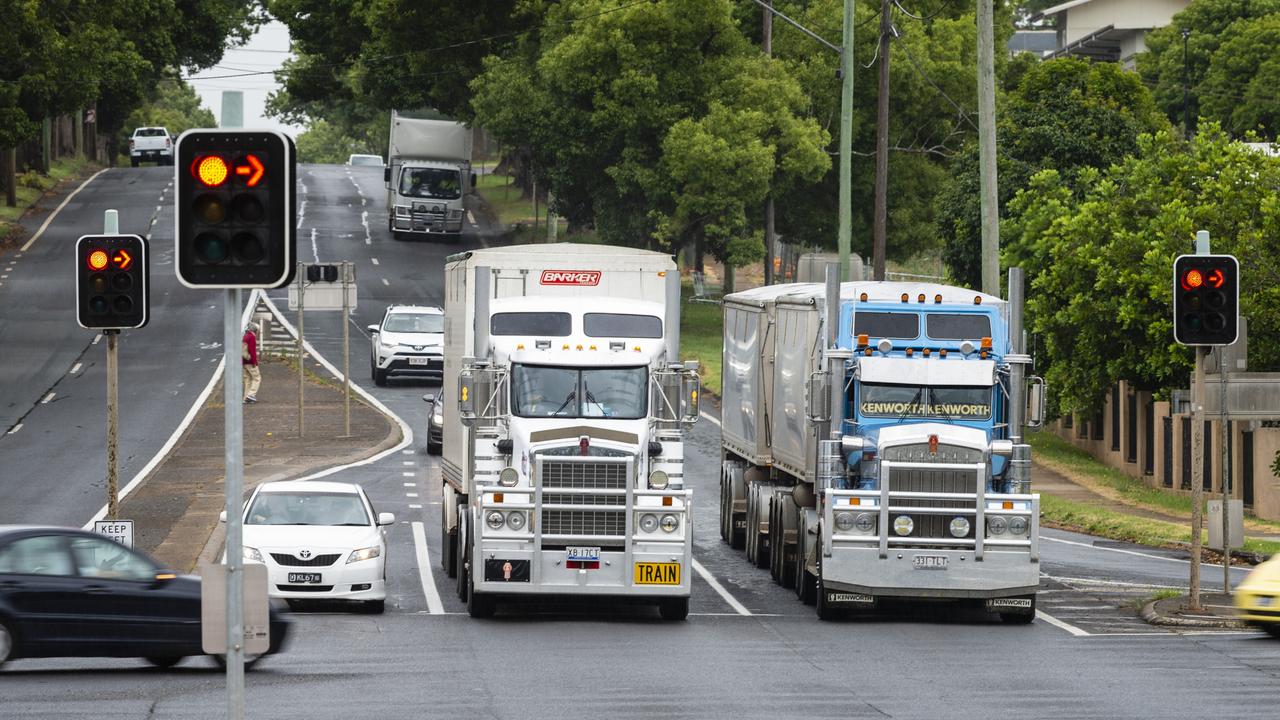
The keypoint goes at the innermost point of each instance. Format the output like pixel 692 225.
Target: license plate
pixel 929 562
pixel 582 553
pixel 419 361
pixel 652 573
pixel 304 578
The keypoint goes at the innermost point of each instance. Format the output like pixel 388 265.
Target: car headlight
pixel 903 525
pixel 670 523
pixel 959 527
pixel 515 520
pixel 658 480
pixel 437 418
pixel 844 521
pixel 1018 525
pixel 368 553
pixel 252 554
pixel 508 477
pixel 997 525
pixel 648 522
pixel 865 523
pixel 495 519
pixel 386 345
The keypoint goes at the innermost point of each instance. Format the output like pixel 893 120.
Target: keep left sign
pixel 119 530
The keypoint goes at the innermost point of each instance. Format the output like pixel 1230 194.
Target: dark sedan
pixel 435 422
pixel 70 593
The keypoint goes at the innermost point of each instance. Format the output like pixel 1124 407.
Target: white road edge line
pixel 715 585
pixel 434 606
pixel 163 452
pixel 14 429
pixel 709 419
pixel 406 433
pixel 54 214
pixel 1062 625
pixel 1134 552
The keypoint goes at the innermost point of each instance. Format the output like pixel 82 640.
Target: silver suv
pixel 409 342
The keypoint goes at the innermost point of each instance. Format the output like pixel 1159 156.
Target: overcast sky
pixel 267 50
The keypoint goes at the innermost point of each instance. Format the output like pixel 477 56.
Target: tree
pixel 176 107
pixel 323 142
pixel 1067 115
pixel 1211 23
pixel 1101 254
pixel 1241 89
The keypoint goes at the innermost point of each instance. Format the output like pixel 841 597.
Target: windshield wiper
pixel 572 395
pixel 907 410
pixel 592 399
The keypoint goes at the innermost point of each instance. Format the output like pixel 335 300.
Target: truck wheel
pixel 1020 618
pixel 825 611
pixel 726 508
pixel 762 538
pixel 448 546
pixel 777 538
pixel 460 564
pixel 788 539
pixel 674 609
pixel 479 605
pixel 805 582
pixel 737 535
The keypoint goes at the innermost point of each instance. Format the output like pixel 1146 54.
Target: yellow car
pixel 1258 597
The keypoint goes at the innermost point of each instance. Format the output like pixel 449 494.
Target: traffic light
pixel 111 282
pixel 235 209
pixel 1206 299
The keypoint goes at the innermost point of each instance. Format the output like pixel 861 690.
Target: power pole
pixel 1186 87
pixel 845 237
pixel 987 150
pixel 880 221
pixel 770 238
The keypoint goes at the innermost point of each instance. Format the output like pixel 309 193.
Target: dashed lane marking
pixel 411 484
pixel 434 606
pixel 409 474
pixel 14 429
pixel 414 495
pixel 709 419
pixel 47 398
pixel 409 462
pixel 97 339
pixel 374 260
pixel 715 585
pixel 54 214
pixel 406 452
pixel 315 251
pixel 1042 615
pixel 74 369
pixel 385 281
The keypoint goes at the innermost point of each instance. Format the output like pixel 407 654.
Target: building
pixel 1108 30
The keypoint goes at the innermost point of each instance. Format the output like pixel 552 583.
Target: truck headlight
pixel 455 214
pixel 670 523
pixel 959 527
pixel 515 521
pixel 402 211
pixel 495 520
pixel 368 553
pixel 844 521
pixel 508 477
pixel 658 480
pixel 997 525
pixel 648 522
pixel 865 523
pixel 1018 525
pixel 903 525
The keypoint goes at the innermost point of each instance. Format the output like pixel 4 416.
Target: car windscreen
pixel 435 183
pixel 621 325
pixel 546 324
pixel 307 508
pixel 543 391
pixel 414 323
pixel 955 326
pixel 897 326
pixel 953 402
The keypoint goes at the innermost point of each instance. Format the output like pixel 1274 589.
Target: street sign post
pixel 119 530
pixel 325 286
pixel 256 614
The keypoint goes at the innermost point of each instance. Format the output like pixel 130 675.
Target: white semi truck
pixel 428 175
pixel 563 462
pixel 873 447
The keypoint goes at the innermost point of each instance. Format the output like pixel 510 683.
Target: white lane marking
pixel 159 208
pixel 406 452
pixel 1117 583
pixel 411 494
pixel 302 208
pixel 408 474
pixel 1134 552
pixel 715 585
pixel 413 506
pixel 374 260
pixel 190 417
pixel 708 418
pixel 54 214
pixel 45 400
pixel 409 462
pixel 74 369
pixel 1062 625
pixel 406 433
pixel 385 281
pixel 434 606
pixel 411 484
pixel 2 277
pixel 14 429
pixel 471 218
pixel 314 250
pixel 364 220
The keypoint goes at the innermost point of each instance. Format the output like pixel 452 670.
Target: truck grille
pixel 588 474
pixel 942 480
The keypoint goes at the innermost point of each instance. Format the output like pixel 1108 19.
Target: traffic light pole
pixel 233 434
pixel 302 345
pixel 1226 469
pixel 1197 474
pixel 111 226
pixel 346 346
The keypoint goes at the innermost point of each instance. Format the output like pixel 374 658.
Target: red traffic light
pixel 1192 280
pixel 1216 278
pixel 98 259
pixel 210 170
pixel 251 169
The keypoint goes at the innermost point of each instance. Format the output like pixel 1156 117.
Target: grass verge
pixel 702 337
pixel 510 207
pixel 32 186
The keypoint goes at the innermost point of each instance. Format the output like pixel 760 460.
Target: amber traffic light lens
pixel 209 209
pixel 98 283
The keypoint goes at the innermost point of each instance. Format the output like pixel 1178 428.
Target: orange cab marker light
pixel 579 347
pixel 662 273
pixel 165 576
pixel 863 297
pixel 864 339
pixel 565 347
pixel 1008 504
pixel 593 347
pixel 905 297
pixel 977 299
pixel 920 298
pixel 98 259
pixel 666 501
pixel 868 352
pixel 908 352
pixel 855 501
pixel 926 352
pixel 636 348
pixel 497 497
pixel 983 355
pixel 986 343
pixel 937 298
pixel 520 346
pixel 942 353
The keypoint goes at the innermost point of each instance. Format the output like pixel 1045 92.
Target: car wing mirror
pixel 386 518
pixel 373 329
pixel 222 516
pixel 429 397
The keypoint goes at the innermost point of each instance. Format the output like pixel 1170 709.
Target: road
pixel 749 648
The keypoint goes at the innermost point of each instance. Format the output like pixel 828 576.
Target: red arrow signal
pixel 252 172
pixel 122 260
pixel 1216 278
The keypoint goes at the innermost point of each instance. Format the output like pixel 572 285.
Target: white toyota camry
pixel 319 540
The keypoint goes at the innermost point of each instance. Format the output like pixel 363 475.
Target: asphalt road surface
pixel 748 650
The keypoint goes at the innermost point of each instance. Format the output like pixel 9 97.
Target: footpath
pixel 175 510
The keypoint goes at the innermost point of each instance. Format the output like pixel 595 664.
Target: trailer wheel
pixel 762 538
pixel 448 546
pixel 726 508
pixel 674 609
pixel 777 538
pixel 749 542
pixel 460 569
pixel 789 527
pixel 737 535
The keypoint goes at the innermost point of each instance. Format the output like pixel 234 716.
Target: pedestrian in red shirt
pixel 249 361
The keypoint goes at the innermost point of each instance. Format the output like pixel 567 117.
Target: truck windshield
pixel 436 183
pixel 953 402
pixel 539 391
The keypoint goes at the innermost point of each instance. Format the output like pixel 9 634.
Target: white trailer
pixel 428 175
pixel 563 454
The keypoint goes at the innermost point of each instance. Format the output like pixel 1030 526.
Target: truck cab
pixel 428 176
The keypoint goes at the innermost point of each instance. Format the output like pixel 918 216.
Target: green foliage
pixel 175 107
pixel 1241 90
pixel 1067 115
pixel 323 142
pixel 655 122
pixel 1212 24
pixel 1100 257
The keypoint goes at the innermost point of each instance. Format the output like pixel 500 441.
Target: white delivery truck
pixel 563 462
pixel 428 175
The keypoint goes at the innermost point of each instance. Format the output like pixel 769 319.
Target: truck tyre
pixel 448 546
pixel 825 611
pixel 1020 618
pixel 778 540
pixel 479 605
pixel 674 609
pixel 750 532
pixel 787 539
pixel 460 569
pixel 762 547
pixel 805 581
pixel 737 535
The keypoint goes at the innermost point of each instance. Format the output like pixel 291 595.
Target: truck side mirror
pixel 466 398
pixel 1035 402
pixel 819 396
pixel 386 175
pixel 690 395
pixel 473 181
